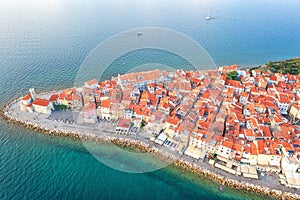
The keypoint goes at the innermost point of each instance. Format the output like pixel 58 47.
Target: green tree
pixel 270 64
pixel 232 76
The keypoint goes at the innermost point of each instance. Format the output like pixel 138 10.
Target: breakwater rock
pixel 235 184
pixel 150 148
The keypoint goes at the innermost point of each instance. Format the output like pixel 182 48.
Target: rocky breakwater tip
pixel 33 126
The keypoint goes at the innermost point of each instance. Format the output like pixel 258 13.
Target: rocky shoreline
pixel 181 163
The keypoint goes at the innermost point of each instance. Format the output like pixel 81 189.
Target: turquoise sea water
pixel 42 45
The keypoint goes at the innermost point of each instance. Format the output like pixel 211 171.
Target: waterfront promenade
pixel 105 131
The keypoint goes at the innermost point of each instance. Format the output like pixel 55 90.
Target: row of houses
pixel 258 131
pixel 247 124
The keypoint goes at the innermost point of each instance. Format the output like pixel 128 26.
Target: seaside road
pixel 107 130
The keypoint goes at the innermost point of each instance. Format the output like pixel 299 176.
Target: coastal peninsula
pixel 238 127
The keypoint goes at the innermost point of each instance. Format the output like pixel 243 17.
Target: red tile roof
pixel 247 149
pixel 227 144
pixel 26 97
pixel 151 85
pixel 244 94
pixel 283 98
pixel 195 80
pixel 53 97
pixel 172 120
pixel 273 78
pixel 124 123
pixel 253 149
pixel 92 82
pixel 267 132
pixel 203 124
pixel 249 132
pixel 234 83
pixel 237 146
pixel 41 102
pixel 260 145
pixel 105 104
pixel 229 68
pixel 90 106
pixel 138 76
pixel 65 95
pixel 76 97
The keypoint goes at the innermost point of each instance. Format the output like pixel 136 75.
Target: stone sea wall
pixel 145 147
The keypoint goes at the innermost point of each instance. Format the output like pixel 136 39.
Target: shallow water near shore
pixel 42 45
pixel 58 166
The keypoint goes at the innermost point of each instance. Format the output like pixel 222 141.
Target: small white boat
pixel 209 18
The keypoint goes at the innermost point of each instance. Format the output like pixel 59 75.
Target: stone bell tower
pixel 33 94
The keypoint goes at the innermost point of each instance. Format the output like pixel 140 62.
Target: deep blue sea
pixel 43 44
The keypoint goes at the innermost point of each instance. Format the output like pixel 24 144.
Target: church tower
pixel 33 94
